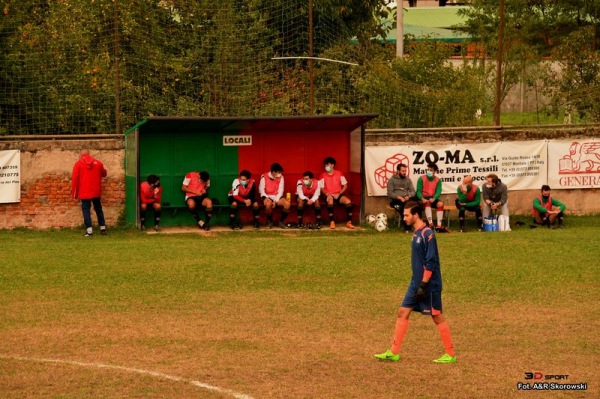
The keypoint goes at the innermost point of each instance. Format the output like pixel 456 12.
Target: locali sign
pixel 237 140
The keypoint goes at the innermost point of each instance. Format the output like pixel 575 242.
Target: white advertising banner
pixel 10 176
pixel 521 165
pixel 574 164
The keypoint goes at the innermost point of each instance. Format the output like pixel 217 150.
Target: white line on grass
pixel 157 374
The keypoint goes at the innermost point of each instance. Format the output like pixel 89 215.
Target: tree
pixel 423 89
pixel 534 30
pixel 18 20
pixel 79 67
pixel 573 87
pixel 482 21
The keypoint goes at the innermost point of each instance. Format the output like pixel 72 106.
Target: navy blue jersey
pixel 425 256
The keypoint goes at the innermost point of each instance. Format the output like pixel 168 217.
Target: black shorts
pixel 197 199
pixel 397 205
pixel 231 200
pixel 336 201
pixel 303 203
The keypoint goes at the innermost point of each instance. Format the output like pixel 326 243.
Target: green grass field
pixel 286 314
pixel 525 118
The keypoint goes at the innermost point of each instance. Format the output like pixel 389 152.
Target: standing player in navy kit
pixel 424 293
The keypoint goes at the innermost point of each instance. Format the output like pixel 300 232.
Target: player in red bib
pixel 307 194
pixel 270 189
pixel 429 189
pixel 196 185
pixel 468 199
pixel 242 193
pixel 547 210
pixel 333 187
pixel 150 194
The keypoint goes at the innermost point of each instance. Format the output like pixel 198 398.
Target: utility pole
pixel 499 64
pixel 399 29
pixel 117 72
pixel 311 77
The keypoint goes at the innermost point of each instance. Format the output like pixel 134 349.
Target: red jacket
pixel 87 178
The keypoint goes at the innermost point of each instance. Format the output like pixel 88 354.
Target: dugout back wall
pixel 171 147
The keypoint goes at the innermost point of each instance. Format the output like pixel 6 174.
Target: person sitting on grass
pixel 547 210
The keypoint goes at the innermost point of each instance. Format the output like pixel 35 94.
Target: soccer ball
pixel 382 217
pixel 371 219
pixel 381 225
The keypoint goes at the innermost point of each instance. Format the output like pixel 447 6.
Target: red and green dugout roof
pixel 171 147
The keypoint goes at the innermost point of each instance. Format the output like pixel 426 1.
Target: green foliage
pixel 65 64
pixel 59 62
pixel 574 89
pixel 523 118
pixel 567 31
pixel 540 25
pixel 423 89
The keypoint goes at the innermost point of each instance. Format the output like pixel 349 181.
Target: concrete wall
pixel 578 201
pixel 46 167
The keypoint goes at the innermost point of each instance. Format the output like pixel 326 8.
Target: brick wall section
pixel 46 167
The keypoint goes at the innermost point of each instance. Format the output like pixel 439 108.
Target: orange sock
pixel 444 330
pixel 399 332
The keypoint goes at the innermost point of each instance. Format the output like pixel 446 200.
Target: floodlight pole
pixel 399 28
pixel 117 72
pixel 311 77
pixel 499 64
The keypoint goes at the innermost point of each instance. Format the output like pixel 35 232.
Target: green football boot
pixel 388 355
pixel 446 358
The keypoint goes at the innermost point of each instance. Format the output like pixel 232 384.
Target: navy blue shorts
pixel 431 305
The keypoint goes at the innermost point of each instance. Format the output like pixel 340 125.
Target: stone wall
pixel 578 201
pixel 46 167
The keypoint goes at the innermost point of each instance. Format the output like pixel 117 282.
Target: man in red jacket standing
pixel 87 187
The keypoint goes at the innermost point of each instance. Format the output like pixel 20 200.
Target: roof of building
pixel 429 23
pixel 433 17
pixel 200 124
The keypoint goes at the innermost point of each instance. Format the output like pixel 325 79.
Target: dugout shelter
pixel 170 147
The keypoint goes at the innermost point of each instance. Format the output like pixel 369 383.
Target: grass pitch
pixel 292 314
